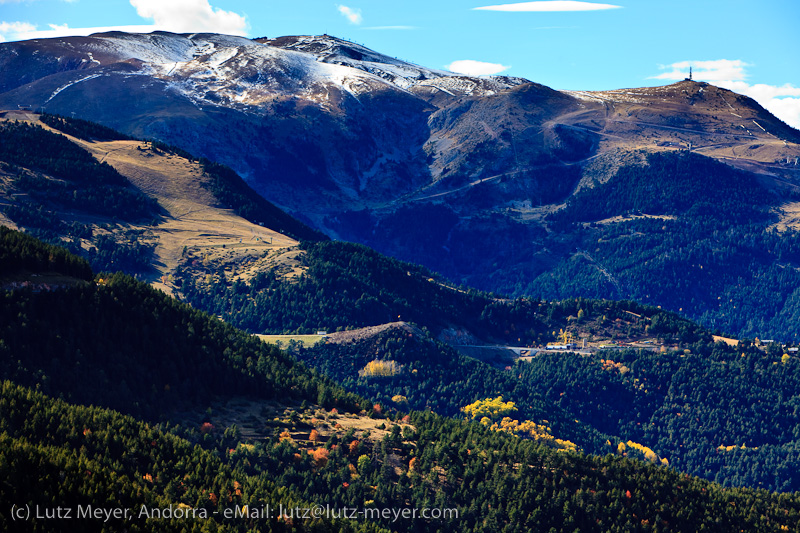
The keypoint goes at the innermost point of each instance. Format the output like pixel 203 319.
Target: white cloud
pixel 471 67
pixel 551 5
pixel 717 70
pixel 786 109
pixel 180 16
pixel 14 29
pixel 351 14
pixel 782 101
pixel 185 16
pixel 64 30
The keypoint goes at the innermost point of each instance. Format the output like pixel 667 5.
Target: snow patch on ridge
pixel 68 85
pixel 224 70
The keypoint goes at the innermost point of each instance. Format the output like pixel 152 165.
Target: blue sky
pixel 746 45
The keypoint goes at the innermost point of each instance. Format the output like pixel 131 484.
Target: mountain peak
pixel 406 75
pixel 691 107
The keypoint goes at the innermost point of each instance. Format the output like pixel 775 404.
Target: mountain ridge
pixel 314 83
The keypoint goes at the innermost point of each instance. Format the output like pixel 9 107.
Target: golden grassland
pixel 193 227
pixel 305 340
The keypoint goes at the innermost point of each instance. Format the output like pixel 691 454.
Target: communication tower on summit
pixel 690 74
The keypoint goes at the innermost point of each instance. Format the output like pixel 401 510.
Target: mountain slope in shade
pixel 461 174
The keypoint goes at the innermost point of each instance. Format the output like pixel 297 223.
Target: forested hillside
pixel 82 182
pixel 67 193
pixel 405 368
pixel 58 459
pixel 348 285
pixel 82 129
pixel 81 456
pixel 673 184
pixel 165 355
pixel 50 176
pixel 696 407
pixel 24 254
pixel 500 482
pixel 695 236
pixel 728 414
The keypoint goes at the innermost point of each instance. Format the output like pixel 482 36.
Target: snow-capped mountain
pixel 239 73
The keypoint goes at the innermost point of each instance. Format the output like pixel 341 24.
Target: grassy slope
pixel 192 223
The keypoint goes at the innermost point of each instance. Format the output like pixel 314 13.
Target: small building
pixel 568 346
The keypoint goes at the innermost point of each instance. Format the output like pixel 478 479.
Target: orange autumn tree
pixel 320 456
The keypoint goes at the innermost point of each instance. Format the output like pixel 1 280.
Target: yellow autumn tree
pixel 381 369
pixel 642 450
pixel 399 399
pixel 492 408
pixel 530 429
pixel 492 412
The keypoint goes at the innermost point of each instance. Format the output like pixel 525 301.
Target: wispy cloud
pixel 351 14
pixel 782 101
pixel 551 5
pixel 390 28
pixel 470 67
